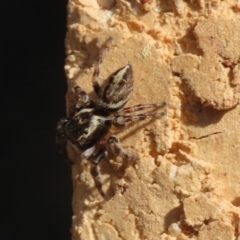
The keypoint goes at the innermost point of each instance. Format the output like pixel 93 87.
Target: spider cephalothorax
pixel 91 120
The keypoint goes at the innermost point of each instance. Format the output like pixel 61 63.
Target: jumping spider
pixel 90 120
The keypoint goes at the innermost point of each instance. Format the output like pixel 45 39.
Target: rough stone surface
pixel 186 184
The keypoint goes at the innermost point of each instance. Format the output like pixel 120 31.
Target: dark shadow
pixel 192 106
pixel 236 202
pixel 188 38
pixel 176 215
pixel 173 216
pixel 205 115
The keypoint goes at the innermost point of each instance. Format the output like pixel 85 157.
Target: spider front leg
pixel 61 138
pixel 117 149
pixel 82 101
pixel 98 63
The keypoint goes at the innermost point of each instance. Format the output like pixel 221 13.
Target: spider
pixel 90 121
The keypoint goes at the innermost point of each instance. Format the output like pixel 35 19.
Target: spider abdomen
pixel 117 89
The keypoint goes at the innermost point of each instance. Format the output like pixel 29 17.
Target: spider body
pixel 90 121
pixel 87 126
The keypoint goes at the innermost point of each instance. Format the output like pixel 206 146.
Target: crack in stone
pixel 205 136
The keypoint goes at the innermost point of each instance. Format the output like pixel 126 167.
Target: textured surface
pixel 186 184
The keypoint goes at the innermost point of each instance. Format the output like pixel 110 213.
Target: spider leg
pixel 96 72
pixel 61 139
pixel 96 155
pixel 139 107
pixel 83 99
pixel 123 119
pixel 97 179
pixel 117 149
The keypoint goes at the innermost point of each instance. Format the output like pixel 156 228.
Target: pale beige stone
pixel 186 184
pixel 208 77
pixel 216 230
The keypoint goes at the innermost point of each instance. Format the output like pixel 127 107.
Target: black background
pixel 35 182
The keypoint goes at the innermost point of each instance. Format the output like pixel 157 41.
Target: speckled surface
pixel 186 184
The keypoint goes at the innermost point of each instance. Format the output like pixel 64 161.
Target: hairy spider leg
pixel 139 107
pixel 97 179
pixel 83 99
pixel 61 138
pixel 117 149
pixel 98 63
pixel 123 119
pixel 82 102
pixel 96 155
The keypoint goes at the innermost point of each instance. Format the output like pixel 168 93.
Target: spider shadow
pixel 85 63
pixel 119 173
pixel 111 173
pixel 93 52
pixel 135 128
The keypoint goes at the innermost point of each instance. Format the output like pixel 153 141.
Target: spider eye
pixel 78 107
pixel 85 131
pixel 82 120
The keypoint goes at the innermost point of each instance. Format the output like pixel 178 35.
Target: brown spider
pixel 91 121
